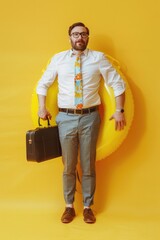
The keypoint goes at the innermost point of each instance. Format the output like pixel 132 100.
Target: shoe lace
pixel 69 210
pixel 89 211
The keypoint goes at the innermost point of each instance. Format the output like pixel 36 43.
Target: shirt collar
pixel 85 52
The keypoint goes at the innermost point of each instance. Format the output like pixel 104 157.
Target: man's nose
pixel 80 36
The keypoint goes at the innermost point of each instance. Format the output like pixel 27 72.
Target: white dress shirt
pixel 94 66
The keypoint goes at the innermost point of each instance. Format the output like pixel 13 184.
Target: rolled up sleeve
pixel 47 78
pixel 111 77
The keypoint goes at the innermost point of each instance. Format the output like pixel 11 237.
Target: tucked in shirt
pixel 95 66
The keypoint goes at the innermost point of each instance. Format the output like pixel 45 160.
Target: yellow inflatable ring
pixel 109 139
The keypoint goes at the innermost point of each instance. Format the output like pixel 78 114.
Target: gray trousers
pixel 79 132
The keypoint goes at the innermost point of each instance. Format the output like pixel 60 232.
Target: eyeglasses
pixel 77 34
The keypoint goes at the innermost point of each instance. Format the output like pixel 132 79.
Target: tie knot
pixel 78 56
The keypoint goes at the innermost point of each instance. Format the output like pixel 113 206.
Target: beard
pixel 79 45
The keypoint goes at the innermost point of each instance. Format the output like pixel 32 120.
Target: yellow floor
pixel 32 204
pixel 24 224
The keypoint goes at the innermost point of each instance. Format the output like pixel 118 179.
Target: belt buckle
pixel 78 111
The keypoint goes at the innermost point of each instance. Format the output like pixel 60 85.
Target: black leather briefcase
pixel 43 143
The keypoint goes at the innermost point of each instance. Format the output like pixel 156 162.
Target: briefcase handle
pixel 39 122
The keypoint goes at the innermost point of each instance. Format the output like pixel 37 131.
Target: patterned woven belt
pixel 79 111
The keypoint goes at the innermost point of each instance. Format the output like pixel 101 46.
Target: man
pixel 79 71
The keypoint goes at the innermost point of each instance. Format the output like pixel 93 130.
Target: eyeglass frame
pixel 80 34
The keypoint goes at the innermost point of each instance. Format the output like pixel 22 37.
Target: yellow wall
pixel 127 200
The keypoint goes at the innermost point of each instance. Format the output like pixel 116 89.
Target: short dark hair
pixel 77 25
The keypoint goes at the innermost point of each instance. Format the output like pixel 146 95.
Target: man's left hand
pixel 120 121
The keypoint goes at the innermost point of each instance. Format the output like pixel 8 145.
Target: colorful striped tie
pixel 78 84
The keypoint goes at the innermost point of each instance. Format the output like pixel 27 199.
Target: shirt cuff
pixel 119 92
pixel 41 92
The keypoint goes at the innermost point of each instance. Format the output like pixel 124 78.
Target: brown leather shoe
pixel 68 215
pixel 88 215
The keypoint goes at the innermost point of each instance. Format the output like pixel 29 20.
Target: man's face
pixel 79 43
